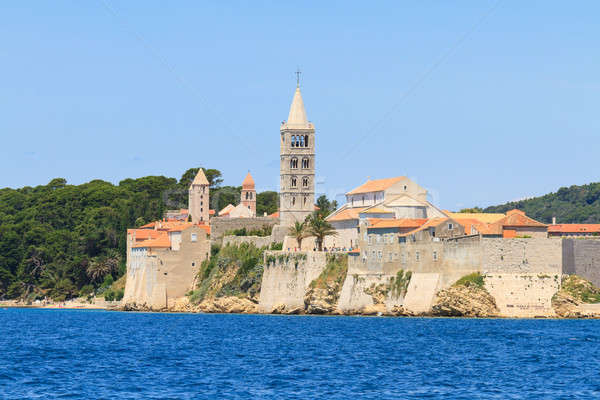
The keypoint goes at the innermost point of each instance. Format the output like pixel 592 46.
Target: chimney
pixel 553 220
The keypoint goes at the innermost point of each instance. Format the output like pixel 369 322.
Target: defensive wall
pixel 286 278
pixel 221 225
pixel 581 257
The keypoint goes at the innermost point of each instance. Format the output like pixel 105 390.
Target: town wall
pixel 286 278
pixel 581 257
pixel 258 241
pixel 221 225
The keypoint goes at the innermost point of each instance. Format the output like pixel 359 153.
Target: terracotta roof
pixel 144 234
pixel 148 225
pixel 346 214
pixel 206 228
pixel 274 215
pixel 354 251
pixel 211 212
pixel 467 223
pixel 377 223
pixel 487 218
pixel 184 211
pixel 181 227
pixel 248 182
pixel 160 242
pixel 518 218
pixel 376 210
pixel 489 229
pixel 376 185
pixel 574 228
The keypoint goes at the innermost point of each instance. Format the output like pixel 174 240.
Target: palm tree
pixel 100 267
pixel 320 229
pixel 298 232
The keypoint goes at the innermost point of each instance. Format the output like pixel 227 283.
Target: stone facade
pixel 582 257
pixel 297 169
pixel 156 276
pixel 220 225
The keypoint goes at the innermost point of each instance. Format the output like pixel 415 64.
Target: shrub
pixel 86 290
pixel 109 295
pixel 399 283
pixel 277 246
pixel 119 294
pixel 474 279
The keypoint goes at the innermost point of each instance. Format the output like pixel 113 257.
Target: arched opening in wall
pixel 294 163
pixel 247 195
pixel 305 163
pixel 293 141
pixel 301 141
pixel 305 140
pixel 305 200
pixel 293 182
pixel 294 201
pixel 305 182
pixel 363 200
pixel 298 141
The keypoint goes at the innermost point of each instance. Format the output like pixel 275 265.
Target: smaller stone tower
pixel 198 202
pixel 249 194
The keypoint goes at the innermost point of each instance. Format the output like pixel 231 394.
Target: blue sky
pixel 481 102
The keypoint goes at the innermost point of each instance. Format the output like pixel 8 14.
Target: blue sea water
pixel 73 354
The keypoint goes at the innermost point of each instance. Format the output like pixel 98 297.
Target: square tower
pixel 199 199
pixel 297 170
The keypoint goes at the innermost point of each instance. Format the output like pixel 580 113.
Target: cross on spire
pixel 298 72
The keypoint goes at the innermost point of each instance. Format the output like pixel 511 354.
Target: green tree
pixel 320 229
pixel 298 231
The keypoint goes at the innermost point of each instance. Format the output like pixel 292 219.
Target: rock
pixel 569 301
pixel 228 304
pixel 465 301
pixel 321 301
pixel 282 309
pixel 375 309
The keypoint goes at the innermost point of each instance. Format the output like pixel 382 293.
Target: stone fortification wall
pixel 532 255
pixel 523 295
pixel 286 278
pixel 582 257
pixel 220 225
pixel 258 241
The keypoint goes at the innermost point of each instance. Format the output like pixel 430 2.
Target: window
pixel 405 187
pixel 305 182
pixel 305 163
pixel 194 238
pixel 417 256
pixel 293 140
pixel 390 256
pixel 435 256
pixel 305 200
pixel 294 163
pixel 293 200
pixel 297 141
pixel 305 140
pixel 450 226
pixel 193 264
pixel 294 182
pixel 301 141
pixel 379 255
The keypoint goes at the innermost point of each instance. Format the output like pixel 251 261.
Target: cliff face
pixel 571 300
pixel 465 301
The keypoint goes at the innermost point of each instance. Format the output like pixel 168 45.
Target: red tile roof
pixel 376 185
pixel 574 228
pixel 377 223
pixel 346 214
pixel 518 218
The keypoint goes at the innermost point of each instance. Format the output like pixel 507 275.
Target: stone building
pixel 297 170
pixel 162 262
pixel 248 195
pixel 198 199
pixel 390 198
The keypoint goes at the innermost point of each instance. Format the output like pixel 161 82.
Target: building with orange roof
pixel 574 230
pixel 163 262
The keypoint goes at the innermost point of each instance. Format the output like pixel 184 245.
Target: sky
pixel 481 102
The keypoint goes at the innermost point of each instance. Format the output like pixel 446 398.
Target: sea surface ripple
pixel 75 354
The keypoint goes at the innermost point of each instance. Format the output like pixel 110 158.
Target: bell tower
pixel 249 194
pixel 198 199
pixel 297 169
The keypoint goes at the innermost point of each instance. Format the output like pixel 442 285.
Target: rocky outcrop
pixel 465 301
pixel 575 293
pixel 322 300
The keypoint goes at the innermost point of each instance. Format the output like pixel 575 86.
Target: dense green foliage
pixel 474 279
pixel 61 240
pixel 399 283
pixel 575 204
pixel 231 271
pixel 581 289
pixel 334 273
pixel 264 231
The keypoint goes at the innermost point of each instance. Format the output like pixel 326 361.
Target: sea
pixel 88 354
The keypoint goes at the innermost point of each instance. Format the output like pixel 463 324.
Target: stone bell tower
pixel 297 169
pixel 198 199
pixel 249 194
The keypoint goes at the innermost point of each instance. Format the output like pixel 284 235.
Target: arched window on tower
pixel 305 200
pixel 294 182
pixel 247 195
pixel 293 140
pixel 294 200
pixel 305 140
pixel 305 163
pixel 305 182
pixel 294 163
pixel 298 141
pixel 301 141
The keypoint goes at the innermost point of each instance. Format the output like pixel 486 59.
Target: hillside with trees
pixel 61 240
pixel 574 204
